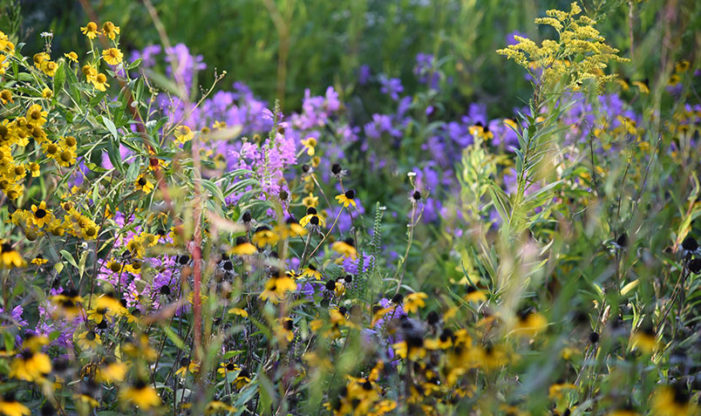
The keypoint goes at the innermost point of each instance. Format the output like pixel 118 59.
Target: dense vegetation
pixel 362 207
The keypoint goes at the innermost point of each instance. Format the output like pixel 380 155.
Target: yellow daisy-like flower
pixel 143 184
pixel 39 260
pixel 47 93
pixel 264 236
pixel 36 116
pixel 6 96
pixel 183 134
pixel 530 324
pixel 90 30
pixel 673 401
pixel 71 56
pixel 110 30
pixel 475 295
pixel 67 157
pixel 239 312
pixel 42 215
pixel 217 406
pixel 141 395
pixel 30 366
pixel 346 198
pixel 311 271
pixel 309 143
pixel 310 201
pixel 112 56
pixel 243 247
pixel 277 287
pixel 414 301
pixel 90 72
pixel 11 407
pixel 345 248
pixel 88 340
pixel 9 257
pixel 100 82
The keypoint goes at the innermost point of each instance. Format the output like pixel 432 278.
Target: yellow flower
pixel 309 143
pixel 9 257
pixel 474 295
pixel 183 134
pixel 6 96
pixel 47 93
pixel 30 366
pixel 311 201
pixel 11 407
pixel 345 248
pixel 217 406
pixel 142 184
pixel 243 247
pixel 642 87
pixel 110 30
pixel 311 271
pixel 112 56
pixel 39 260
pixel 141 395
pixel 88 340
pixel 346 198
pixel 414 301
pixel 227 367
pixel 100 82
pixel 90 30
pixel 238 311
pixel 277 287
pixel 36 116
pixel 40 58
pixel 530 323
pixel 644 340
pixel 72 56
pixel 264 236
pixel 673 401
pixel 90 72
pixel 41 214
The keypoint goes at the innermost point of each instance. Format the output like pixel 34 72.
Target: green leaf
pixel 173 337
pixel 111 127
pixel 69 258
pixel 59 78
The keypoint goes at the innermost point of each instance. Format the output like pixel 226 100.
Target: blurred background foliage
pixel 282 47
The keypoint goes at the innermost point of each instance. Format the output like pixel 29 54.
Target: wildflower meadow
pixel 352 207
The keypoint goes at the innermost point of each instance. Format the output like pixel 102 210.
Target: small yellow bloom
pixel 90 30
pixel 47 93
pixel 141 395
pixel 72 56
pixel 183 134
pixel 112 56
pixel 346 198
pixel 414 301
pixel 6 96
pixel 11 407
pixel 100 82
pixel 143 184
pixel 110 30
pixel 309 143
pixel 345 248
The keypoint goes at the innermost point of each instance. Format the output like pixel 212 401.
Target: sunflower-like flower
pixel 112 56
pixel 243 247
pixel 110 30
pixel 9 257
pixel 90 30
pixel 277 287
pixel 30 366
pixel 141 395
pixel 142 184
pixel 9 406
pixel 345 248
pixel 414 301
pixel 346 198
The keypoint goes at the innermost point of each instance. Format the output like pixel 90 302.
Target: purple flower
pixel 391 86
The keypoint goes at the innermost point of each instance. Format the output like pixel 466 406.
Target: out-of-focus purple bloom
pixel 364 74
pixel 391 86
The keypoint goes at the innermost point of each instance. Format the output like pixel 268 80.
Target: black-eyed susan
pixel 243 247
pixel 242 379
pixel 90 30
pixel 644 340
pixel 9 257
pixel 88 340
pixel 529 323
pixel 346 248
pixel 69 304
pixel 673 400
pixel 187 366
pixel 346 198
pixel 285 331
pixel 311 272
pixel 30 366
pixel 312 218
pixel 143 184
pixel 227 367
pixel 9 406
pixel 141 395
pixel 414 301
pixel 474 295
pixel 277 287
pixel 294 228
pixel 112 371
pixel 110 30
pixel 411 348
pixel 39 260
pixel 238 312
pixel 42 215
pixel 216 406
pixel 264 236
